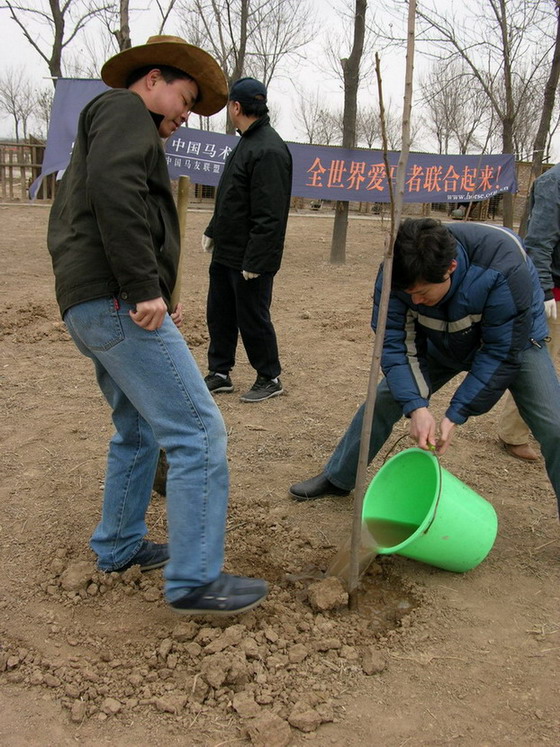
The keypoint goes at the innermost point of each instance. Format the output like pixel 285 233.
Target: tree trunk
pixel 123 33
pixel 507 141
pixel 544 125
pixel 340 231
pixel 507 133
pixel 55 62
pixel 237 71
pixel 351 71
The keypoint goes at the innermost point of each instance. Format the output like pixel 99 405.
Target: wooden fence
pixel 20 165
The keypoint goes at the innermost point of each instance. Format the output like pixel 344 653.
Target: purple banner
pixel 322 172
pixel 70 97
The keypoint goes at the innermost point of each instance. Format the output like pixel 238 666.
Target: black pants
pixel 234 306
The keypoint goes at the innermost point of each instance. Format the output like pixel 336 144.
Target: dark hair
pixel 254 109
pixel 168 73
pixel 424 249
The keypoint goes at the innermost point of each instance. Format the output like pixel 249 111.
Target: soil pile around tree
pixel 429 658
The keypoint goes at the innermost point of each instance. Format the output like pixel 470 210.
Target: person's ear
pixel 452 266
pixel 152 78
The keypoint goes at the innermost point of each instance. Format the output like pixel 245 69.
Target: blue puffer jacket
pixel 492 311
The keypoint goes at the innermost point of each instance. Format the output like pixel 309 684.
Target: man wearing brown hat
pixel 246 237
pixel 114 241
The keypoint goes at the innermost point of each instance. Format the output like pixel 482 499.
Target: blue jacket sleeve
pixel 505 329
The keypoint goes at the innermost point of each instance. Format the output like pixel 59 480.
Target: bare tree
pixel 164 12
pixel 318 124
pixel 455 107
pixel 307 116
pixel 494 38
pixel 17 99
pixel 332 127
pixel 117 20
pixel 368 127
pixel 122 33
pixel 530 98
pixel 248 37
pixel 438 110
pixel 42 112
pixel 393 130
pixel 351 75
pixel 341 38
pixel 63 21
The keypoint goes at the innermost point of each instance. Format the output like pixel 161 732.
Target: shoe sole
pixel 221 389
pixel 153 567
pixel 262 399
pixel 218 613
pixel 302 498
pixel 143 568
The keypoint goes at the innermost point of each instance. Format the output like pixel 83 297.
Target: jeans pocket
pixel 96 324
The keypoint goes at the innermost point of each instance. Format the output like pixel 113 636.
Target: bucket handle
pixel 438 495
pixel 387 455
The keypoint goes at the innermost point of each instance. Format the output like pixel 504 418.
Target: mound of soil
pixel 429 658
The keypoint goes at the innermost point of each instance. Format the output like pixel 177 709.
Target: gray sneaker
pixel 227 595
pixel 263 388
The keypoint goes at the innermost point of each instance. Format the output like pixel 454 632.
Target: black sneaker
pixel 227 595
pixel 263 388
pixel 218 383
pixel 149 557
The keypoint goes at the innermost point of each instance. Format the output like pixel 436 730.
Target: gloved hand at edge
pixel 249 275
pixel 207 244
pixel 550 309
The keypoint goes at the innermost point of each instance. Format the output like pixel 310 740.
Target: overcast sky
pixel 306 75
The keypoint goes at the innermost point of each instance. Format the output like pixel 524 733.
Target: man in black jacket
pixel 114 242
pixel 246 237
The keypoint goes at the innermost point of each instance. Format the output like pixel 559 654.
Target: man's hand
pixel 207 244
pixel 423 428
pixel 177 314
pixel 446 431
pixel 249 275
pixel 550 309
pixel 149 314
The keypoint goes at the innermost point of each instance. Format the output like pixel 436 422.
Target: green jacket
pixel 113 228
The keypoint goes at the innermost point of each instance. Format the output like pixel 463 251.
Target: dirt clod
pixel 327 594
pixel 77 576
pixel 269 730
pixel 373 661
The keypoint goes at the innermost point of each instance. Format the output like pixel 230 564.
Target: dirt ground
pixel 431 658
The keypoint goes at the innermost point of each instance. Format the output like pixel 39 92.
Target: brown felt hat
pixel 175 52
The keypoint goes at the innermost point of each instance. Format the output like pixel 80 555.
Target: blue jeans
pixel 535 389
pixel 159 399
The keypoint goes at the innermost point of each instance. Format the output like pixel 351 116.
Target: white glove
pixel 550 309
pixel 249 275
pixel 207 244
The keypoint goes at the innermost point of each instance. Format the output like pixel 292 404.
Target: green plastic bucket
pixel 415 508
